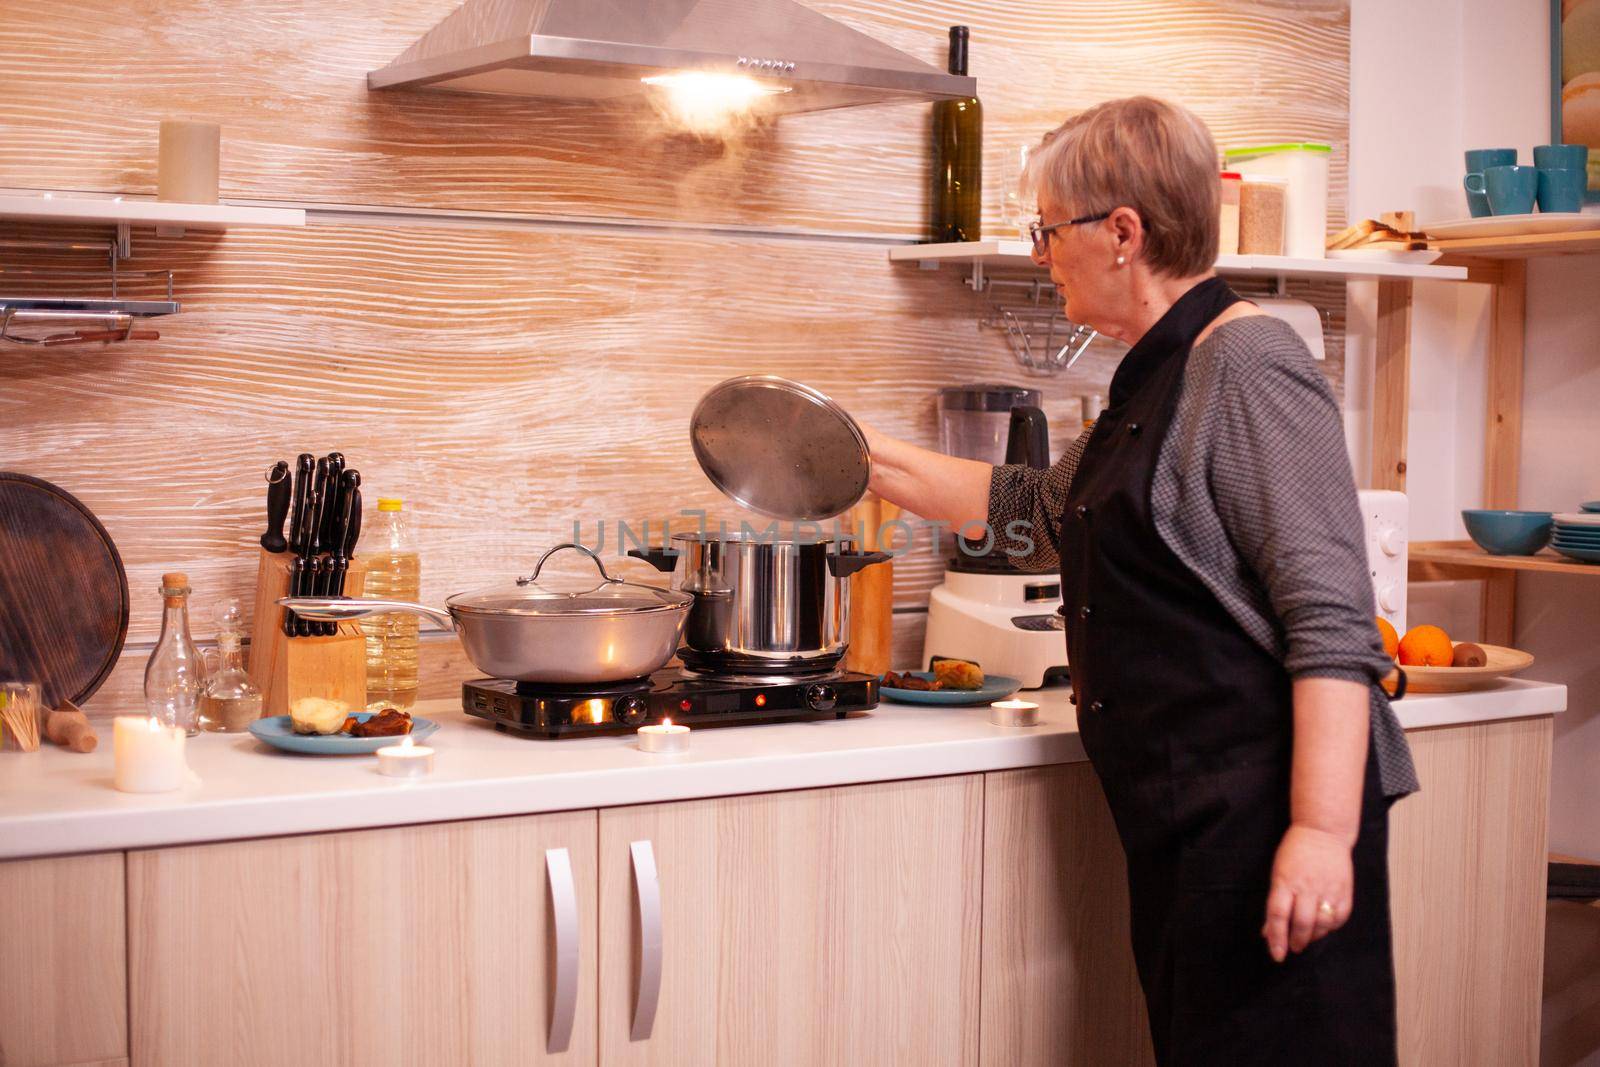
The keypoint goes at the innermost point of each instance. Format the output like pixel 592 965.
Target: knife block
pixel 288 668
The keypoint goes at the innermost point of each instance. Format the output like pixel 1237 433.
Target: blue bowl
pixel 1590 505
pixel 1509 533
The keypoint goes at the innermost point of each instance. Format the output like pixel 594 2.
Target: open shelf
pixel 1465 554
pixel 1521 246
pixel 1015 254
pixel 123 211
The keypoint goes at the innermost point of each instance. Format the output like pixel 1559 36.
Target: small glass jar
pixel 1228 216
pixel 231 702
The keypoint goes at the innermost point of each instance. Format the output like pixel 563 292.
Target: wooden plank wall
pixel 511 377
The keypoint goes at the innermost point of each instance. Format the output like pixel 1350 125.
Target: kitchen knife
pixel 304 464
pixel 301 582
pixel 349 490
pixel 278 487
pixel 335 469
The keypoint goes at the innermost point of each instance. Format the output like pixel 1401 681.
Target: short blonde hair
pixel 1154 157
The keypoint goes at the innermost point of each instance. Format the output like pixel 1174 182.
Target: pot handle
pixel 662 558
pixel 539 566
pixel 844 564
pixel 344 608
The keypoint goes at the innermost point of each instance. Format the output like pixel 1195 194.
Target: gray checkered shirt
pixel 1253 492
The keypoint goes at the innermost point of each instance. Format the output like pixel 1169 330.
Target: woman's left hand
pixel 1312 883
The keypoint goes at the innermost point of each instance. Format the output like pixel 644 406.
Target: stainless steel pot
pixel 528 632
pixel 762 603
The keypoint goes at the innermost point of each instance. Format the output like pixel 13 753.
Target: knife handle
pixel 353 537
pixel 278 488
pixel 335 488
pixel 304 464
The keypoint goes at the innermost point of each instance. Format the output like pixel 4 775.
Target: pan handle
pixel 844 564
pixel 341 609
pixel 537 567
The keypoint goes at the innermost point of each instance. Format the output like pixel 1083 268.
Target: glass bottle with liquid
pixel 955 193
pixel 393 572
pixel 230 702
pixel 175 675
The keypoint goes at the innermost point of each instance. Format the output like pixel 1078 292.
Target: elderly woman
pixel 1219 615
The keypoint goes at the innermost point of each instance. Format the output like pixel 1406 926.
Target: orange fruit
pixel 1391 640
pixel 1426 646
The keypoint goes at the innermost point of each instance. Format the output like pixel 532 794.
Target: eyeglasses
pixel 1041 233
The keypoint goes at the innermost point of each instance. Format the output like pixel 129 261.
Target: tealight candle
pixel 405 760
pixel 664 737
pixel 148 756
pixel 1014 713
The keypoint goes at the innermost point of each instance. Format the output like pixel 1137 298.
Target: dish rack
pixel 1043 340
pixel 29 317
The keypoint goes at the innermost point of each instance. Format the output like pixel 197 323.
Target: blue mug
pixel 1562 190
pixel 1561 156
pixel 1479 160
pixel 1511 190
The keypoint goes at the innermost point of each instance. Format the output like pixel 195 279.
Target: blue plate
pixel 1576 540
pixel 279 733
pixel 1582 555
pixel 1590 505
pixel 995 687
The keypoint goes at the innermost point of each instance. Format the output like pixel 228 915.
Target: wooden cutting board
pixel 63 591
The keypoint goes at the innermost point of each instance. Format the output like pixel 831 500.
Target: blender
pixel 1001 617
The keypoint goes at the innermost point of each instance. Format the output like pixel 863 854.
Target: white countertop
pixel 54 802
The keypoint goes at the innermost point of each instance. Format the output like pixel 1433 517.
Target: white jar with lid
pixel 1304 166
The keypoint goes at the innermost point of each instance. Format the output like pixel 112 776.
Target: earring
pixel 1121 261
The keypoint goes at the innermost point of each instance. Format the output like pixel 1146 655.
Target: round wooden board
pixel 1503 662
pixel 63 592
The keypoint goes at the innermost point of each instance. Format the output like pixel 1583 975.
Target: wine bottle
pixel 955 193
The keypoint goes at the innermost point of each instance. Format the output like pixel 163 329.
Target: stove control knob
pixel 821 697
pixel 632 710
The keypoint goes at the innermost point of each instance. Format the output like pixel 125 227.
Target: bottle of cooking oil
pixel 394 572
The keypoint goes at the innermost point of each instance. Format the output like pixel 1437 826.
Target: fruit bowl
pixel 1503 663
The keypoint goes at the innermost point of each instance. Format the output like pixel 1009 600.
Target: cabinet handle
pixel 564 909
pixel 647 896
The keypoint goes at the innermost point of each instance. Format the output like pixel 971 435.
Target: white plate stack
pixel 1577 536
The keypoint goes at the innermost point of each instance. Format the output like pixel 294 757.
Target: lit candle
pixel 1014 713
pixel 148 756
pixel 664 737
pixel 405 760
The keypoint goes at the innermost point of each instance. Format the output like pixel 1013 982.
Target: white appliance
pixel 1008 623
pixel 1011 623
pixel 1385 514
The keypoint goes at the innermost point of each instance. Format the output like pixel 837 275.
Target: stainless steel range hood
pixel 601 49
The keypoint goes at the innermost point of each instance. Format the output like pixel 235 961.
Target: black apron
pixel 1189 724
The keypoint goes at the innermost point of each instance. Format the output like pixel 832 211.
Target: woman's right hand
pixel 927 483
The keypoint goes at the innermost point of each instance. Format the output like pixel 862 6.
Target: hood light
pixel 708 101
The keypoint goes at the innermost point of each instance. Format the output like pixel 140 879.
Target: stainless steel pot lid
pixel 780 448
pixel 612 596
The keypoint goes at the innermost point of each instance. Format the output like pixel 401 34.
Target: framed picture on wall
pixel 1575 80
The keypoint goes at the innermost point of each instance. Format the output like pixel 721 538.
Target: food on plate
pixel 318 715
pixel 895 680
pixel 957 674
pixel 1426 646
pixel 389 722
pixel 1391 640
pixel 1468 654
pixel 1370 233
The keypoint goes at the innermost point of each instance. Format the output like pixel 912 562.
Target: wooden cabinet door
pixel 1059 985
pixel 414 945
pixel 831 926
pixel 1467 875
pixel 63 963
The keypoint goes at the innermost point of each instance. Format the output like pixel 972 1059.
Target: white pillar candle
pixel 405 760
pixel 188 162
pixel 665 736
pixel 1014 713
pixel 148 756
